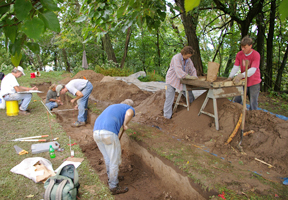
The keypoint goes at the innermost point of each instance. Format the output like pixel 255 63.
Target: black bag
pixel 1 75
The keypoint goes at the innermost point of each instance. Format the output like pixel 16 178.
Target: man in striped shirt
pixel 181 66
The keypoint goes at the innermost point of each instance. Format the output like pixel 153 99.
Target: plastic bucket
pixel 12 108
pixel 32 75
pixel 2 102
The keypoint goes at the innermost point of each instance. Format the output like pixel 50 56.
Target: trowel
pixel 19 150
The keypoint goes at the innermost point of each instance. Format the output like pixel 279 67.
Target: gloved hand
pixel 190 77
pixel 228 79
pixel 237 78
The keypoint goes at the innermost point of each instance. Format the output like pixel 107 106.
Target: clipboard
pixel 30 91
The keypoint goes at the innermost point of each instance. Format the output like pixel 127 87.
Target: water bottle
pixel 51 152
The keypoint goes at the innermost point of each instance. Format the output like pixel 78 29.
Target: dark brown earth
pixel 186 128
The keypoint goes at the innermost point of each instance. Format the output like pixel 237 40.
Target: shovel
pixel 244 107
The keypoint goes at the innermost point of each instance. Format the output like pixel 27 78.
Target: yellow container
pixel 12 108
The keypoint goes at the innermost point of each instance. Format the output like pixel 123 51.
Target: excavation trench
pixel 147 175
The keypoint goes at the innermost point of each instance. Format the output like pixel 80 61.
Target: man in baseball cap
pixel 10 88
pixel 80 88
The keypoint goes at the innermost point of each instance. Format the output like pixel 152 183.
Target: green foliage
pixel 151 77
pixel 33 28
pixel 110 69
pixel 283 9
pixel 32 19
pixel 16 59
pixel 34 47
pixel 22 8
pixel 190 5
pixel 284 96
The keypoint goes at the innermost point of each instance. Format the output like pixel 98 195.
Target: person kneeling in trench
pixel 80 88
pixel 51 99
pixel 105 134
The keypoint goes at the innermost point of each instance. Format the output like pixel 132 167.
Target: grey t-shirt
pixel 50 95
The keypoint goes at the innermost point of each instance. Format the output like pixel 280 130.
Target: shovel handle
pixel 121 134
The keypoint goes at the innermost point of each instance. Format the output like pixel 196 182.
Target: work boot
pixel 78 124
pixel 118 190
pixel 120 178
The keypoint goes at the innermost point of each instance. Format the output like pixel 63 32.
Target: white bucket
pixel 2 102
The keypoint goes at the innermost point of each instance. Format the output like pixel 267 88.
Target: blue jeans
pixel 25 99
pixel 83 103
pixel 51 105
pixel 110 147
pixel 253 93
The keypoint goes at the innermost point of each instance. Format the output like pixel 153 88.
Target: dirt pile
pixel 268 143
pixel 90 75
pixel 117 91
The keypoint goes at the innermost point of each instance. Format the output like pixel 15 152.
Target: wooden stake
pixel 269 166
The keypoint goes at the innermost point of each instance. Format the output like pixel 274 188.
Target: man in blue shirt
pixel 105 133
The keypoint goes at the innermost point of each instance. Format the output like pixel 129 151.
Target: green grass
pixel 14 186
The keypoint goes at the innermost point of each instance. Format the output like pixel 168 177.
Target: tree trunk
pixel 260 42
pixel 269 72
pixel 126 47
pixel 189 23
pixel 229 66
pixel 40 64
pixel 158 62
pixel 66 60
pixel 55 60
pixel 143 56
pixel 277 86
pixel 108 48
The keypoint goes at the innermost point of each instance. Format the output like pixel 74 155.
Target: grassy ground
pixel 14 186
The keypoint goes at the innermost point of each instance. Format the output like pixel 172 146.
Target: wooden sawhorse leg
pixel 215 116
pixel 179 97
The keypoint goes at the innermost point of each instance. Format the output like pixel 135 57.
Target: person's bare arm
pixel 22 89
pixel 128 116
pixel 78 96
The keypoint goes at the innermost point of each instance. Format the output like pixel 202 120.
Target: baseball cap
pixel 19 68
pixel 58 89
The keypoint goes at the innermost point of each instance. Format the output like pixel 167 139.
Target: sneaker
pixel 23 112
pixel 118 190
pixel 78 124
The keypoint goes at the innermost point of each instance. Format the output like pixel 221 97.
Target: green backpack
pixel 64 185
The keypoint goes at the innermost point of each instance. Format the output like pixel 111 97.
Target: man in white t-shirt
pixel 10 88
pixel 80 88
